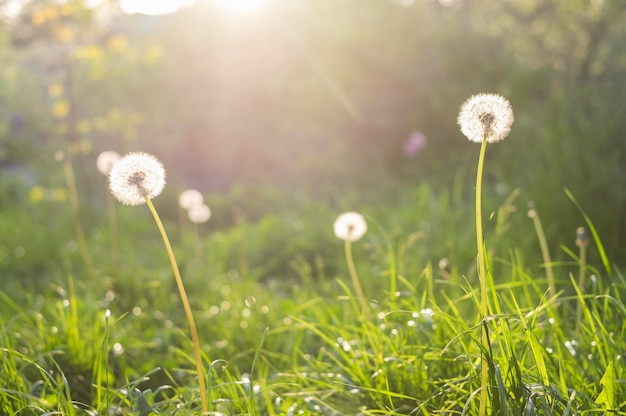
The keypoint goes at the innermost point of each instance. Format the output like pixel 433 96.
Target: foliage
pixel 284 119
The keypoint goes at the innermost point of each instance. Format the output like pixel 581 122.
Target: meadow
pixel 291 320
pixel 344 249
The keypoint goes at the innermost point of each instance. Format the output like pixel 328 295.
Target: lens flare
pixel 240 6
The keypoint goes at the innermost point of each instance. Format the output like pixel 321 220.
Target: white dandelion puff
pixel 135 177
pixel 199 213
pixel 350 226
pixel 189 198
pixel 485 116
pixel 106 160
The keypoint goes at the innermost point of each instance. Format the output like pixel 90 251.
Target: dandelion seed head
pixel 199 213
pixel 135 177
pixel 350 226
pixel 189 198
pixel 485 116
pixel 106 160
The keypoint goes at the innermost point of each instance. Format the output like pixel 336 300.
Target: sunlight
pixel 153 7
pixel 240 6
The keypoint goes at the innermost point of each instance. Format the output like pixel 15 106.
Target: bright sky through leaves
pixel 153 7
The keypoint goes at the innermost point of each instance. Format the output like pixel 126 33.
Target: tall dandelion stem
pixel 482 277
pixel 355 278
pixel 183 296
pixel 484 118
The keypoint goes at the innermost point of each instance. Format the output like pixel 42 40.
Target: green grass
pixel 281 329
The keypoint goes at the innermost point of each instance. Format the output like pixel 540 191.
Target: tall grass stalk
pixel 355 279
pixel 70 180
pixel 183 296
pixel 113 236
pixel 545 252
pixel 581 242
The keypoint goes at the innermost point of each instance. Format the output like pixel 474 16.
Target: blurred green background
pixel 297 110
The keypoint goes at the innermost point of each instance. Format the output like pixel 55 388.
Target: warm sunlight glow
pixel 240 6
pixel 153 7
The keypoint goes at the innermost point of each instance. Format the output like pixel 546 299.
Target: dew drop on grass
pixel 136 311
pixel 66 303
pixel 214 310
pixel 265 309
pixel 225 305
pixel 250 301
pixel 243 324
pixel 246 313
pixel 118 349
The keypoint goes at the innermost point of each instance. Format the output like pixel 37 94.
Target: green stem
pixel 75 211
pixel 185 300
pixel 355 279
pixel 581 282
pixel 545 252
pixel 113 237
pixel 482 277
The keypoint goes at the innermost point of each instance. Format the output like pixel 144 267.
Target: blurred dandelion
pixel 189 198
pixel 134 180
pixel 199 214
pixel 136 177
pixel 485 117
pixel 106 160
pixel 351 226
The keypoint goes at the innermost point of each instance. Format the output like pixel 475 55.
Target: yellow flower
pixel 36 194
pixel 485 116
pixel 60 109
pixel 135 177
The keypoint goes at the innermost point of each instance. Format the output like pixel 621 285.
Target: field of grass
pixel 281 329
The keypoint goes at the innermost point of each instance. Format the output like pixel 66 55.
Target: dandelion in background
pixel 189 203
pixel 189 198
pixel 134 180
pixel 351 226
pixel 484 118
pixel 414 144
pixel 199 214
pixel 106 160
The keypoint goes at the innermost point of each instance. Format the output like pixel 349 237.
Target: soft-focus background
pixel 307 108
